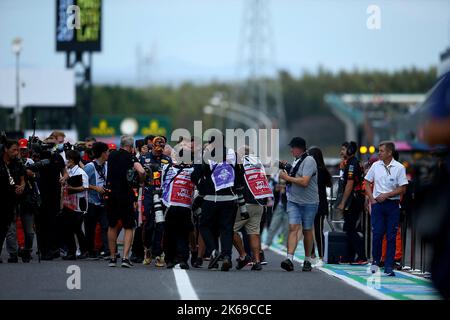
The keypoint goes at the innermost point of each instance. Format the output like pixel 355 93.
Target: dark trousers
pixel 48 229
pixel 318 234
pixel 351 227
pixel 137 247
pixel 385 218
pixel 225 213
pixel 5 221
pixel 72 227
pixel 178 224
pixel 96 214
pixel 152 232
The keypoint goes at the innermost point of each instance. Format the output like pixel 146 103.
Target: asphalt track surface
pixel 48 280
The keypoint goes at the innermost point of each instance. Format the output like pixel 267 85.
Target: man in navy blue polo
pixel 389 183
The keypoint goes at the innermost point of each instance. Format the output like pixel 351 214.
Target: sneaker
pixel 318 263
pixel 170 264
pixel 242 263
pixel 26 256
pixel 184 266
pixel 13 258
pixel 136 259
pixel 83 256
pixel 287 265
pixel 159 262
pixel 359 263
pixel 194 256
pixel 112 262
pixel 307 266
pixel 69 257
pixel 389 273
pixel 226 264
pixel 126 263
pixel 398 265
pixel 374 268
pixel 214 258
pixel 147 261
pixel 104 255
pixel 257 266
pixel 93 256
pixel 198 263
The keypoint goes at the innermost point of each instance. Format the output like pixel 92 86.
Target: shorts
pixel 120 209
pixel 253 224
pixel 303 214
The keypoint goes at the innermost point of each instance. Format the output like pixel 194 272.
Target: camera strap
pixel 100 170
pixel 297 165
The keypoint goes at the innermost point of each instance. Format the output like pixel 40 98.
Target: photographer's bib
pixel 178 189
pixel 255 177
pixel 222 174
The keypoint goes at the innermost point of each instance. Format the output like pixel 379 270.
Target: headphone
pixel 352 148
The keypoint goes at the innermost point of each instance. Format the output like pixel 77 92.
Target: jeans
pixel 385 219
pixel 225 213
pixel 303 214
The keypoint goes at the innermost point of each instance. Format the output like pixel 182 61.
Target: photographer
pixel 29 204
pixel 97 174
pixel 50 178
pixel 75 206
pixel 12 184
pixel 178 196
pixel 256 191
pixel 121 198
pixel 152 231
pixel 303 201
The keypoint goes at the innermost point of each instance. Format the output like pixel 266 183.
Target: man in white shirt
pixel 389 183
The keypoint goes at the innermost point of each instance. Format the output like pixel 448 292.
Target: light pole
pixel 16 48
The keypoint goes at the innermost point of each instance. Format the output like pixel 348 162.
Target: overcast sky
pixel 199 39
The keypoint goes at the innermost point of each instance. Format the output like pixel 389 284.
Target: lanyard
pixel 387 168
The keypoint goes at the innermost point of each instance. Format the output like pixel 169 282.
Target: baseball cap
pixel 298 142
pixel 23 143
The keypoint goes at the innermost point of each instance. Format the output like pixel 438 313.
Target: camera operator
pixel 153 229
pixel 97 173
pixel 29 203
pixel 12 184
pixel 121 197
pixel 50 178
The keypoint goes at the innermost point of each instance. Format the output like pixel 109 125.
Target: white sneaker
pixel 318 263
pixel 374 268
pixel 264 246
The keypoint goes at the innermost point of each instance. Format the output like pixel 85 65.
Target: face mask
pixel 60 147
pixel 82 153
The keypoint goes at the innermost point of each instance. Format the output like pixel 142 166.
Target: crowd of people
pixel 177 212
